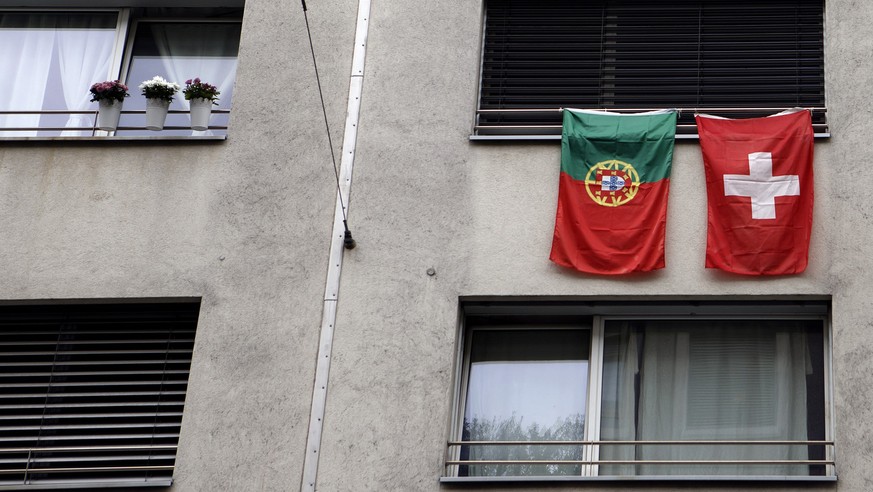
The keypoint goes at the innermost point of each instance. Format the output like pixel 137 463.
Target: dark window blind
pixel 733 58
pixel 92 395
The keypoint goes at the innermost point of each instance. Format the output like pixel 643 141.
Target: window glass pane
pixel 179 51
pixel 526 386
pixel 50 61
pixel 687 380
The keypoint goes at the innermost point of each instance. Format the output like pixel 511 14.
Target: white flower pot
pixel 156 113
pixel 201 110
pixel 108 113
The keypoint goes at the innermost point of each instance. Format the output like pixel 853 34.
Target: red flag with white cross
pixel 760 192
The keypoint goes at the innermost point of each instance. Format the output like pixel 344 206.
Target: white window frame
pixel 595 386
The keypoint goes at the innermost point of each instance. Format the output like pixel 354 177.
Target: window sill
pixel 642 478
pixel 130 128
pixel 92 484
pixel 147 138
pixel 520 138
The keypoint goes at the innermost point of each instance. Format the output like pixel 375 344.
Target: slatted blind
pixel 732 382
pixel 734 58
pixel 92 395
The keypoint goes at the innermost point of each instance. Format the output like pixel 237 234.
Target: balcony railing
pixel 132 124
pixel 819 464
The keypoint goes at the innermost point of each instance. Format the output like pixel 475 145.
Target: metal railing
pixel 545 123
pixel 49 130
pixel 590 451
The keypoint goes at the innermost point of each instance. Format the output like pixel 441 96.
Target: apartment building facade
pixel 179 309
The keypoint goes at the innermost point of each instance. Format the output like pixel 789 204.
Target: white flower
pixel 158 81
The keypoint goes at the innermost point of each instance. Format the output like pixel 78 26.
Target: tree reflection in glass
pixel 526 386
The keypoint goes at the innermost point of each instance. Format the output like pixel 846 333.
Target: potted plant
pixel 110 97
pixel 159 94
pixel 201 96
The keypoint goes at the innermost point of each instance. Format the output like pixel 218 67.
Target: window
pixel 91 395
pixel 733 58
pixel 51 59
pixel 643 390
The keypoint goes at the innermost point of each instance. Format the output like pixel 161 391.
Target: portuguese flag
pixel 612 195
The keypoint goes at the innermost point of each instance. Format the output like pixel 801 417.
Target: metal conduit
pixel 334 270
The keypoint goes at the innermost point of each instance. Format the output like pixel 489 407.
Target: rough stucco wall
pixel 410 193
pixel 848 242
pixel 245 224
pixel 482 215
pixel 247 412
pixel 118 220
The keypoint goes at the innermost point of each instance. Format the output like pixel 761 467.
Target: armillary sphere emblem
pixel 612 183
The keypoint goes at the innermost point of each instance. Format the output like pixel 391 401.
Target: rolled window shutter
pixel 92 395
pixel 734 58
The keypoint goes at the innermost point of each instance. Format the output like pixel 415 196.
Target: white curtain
pixel 617 407
pixel 724 381
pixel 207 51
pixel 26 56
pixel 84 57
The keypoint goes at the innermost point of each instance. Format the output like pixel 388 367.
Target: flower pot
pixel 108 113
pixel 156 113
pixel 201 110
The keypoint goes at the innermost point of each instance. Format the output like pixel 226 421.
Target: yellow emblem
pixel 612 183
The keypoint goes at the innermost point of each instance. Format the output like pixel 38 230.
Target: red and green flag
pixel 612 195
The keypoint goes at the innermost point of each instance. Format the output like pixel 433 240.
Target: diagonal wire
pixel 348 242
pixel 324 112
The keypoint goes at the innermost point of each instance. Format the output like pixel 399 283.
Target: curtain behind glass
pixel 84 54
pixel 180 51
pixel 50 60
pixel 526 386
pixel 26 44
pixel 618 397
pixel 710 380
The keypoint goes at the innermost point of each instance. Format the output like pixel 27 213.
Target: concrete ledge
pixel 641 478
pixel 200 138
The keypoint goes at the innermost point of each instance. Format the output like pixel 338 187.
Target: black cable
pixel 348 242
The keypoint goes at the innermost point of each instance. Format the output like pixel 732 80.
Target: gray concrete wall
pixel 482 215
pixel 244 224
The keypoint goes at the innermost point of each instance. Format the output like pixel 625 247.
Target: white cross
pixel 761 186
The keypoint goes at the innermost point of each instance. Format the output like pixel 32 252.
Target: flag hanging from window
pixel 612 195
pixel 760 192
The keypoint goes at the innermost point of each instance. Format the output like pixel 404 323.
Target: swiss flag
pixel 760 194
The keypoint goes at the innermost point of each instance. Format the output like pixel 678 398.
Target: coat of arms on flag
pixel 760 192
